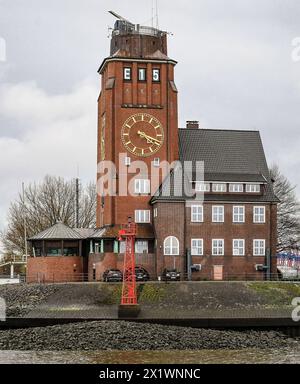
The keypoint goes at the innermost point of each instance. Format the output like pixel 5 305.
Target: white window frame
pixel 219 247
pixel 127 73
pixel 141 246
pixel 259 217
pixel 142 216
pixel 197 247
pixel 127 161
pixel 259 249
pixel 156 162
pixel 238 247
pixel 219 187
pixel 253 188
pixel 236 187
pixel 201 186
pixel 142 186
pixel 156 75
pixel 219 216
pixel 197 213
pixel 239 214
pixel 171 249
pixel 144 77
pixel 122 246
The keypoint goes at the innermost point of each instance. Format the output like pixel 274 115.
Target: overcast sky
pixel 235 70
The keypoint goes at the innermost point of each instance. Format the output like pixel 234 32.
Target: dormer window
pixel 236 188
pixel 200 186
pixel 219 187
pixel 253 188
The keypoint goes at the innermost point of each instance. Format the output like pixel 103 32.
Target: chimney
pixel 192 124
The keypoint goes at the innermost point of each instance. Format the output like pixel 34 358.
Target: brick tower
pixel 137 119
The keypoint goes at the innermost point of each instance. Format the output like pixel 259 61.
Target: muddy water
pixel 256 356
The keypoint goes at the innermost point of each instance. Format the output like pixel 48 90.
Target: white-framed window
pixel 253 188
pixel 156 75
pixel 238 214
pixel 218 247
pixel 236 188
pixel 219 187
pixel 156 162
pixel 171 246
pixel 142 216
pixel 197 247
pixel 197 213
pixel 238 247
pixel 259 247
pixel 141 186
pixel 122 248
pixel 142 74
pixel 127 161
pixel 259 214
pixel 200 186
pixel 218 213
pixel 155 212
pixel 141 246
pixel 127 73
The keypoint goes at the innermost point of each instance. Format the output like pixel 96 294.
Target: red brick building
pixel 202 199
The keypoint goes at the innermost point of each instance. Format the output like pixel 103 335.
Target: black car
pixel 112 275
pixel 141 274
pixel 170 275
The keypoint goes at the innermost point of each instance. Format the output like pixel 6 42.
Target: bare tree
pixel 44 204
pixel 288 210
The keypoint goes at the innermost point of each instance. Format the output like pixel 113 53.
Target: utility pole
pixel 24 220
pixel 77 203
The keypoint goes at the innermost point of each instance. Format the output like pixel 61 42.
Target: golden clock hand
pixel 149 138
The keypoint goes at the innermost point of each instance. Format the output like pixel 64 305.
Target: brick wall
pixel 54 269
pixel 174 219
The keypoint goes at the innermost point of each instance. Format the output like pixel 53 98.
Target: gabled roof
pixel 226 155
pixel 58 231
pixel 224 151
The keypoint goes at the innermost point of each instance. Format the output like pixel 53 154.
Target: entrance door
pixel 218 272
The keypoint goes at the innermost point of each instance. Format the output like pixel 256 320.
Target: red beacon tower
pixel 129 306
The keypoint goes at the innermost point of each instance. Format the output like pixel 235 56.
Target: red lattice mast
pixel 129 297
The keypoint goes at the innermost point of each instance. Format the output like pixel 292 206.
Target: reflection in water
pixel 220 356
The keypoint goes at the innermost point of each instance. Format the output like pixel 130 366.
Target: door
pixel 218 272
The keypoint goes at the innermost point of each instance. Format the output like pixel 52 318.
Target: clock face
pixel 142 134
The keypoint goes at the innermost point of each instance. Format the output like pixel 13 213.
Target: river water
pixel 220 356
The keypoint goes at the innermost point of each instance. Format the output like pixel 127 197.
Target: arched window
pixel 171 246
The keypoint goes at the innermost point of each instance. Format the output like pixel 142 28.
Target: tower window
pixel 142 216
pixel 156 75
pixel 142 74
pixel 142 186
pixel 127 74
pixel 127 161
pixel 156 162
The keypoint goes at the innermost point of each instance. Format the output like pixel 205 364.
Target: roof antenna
pixel 152 14
pixel 157 23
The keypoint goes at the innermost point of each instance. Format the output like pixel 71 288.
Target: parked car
pixel 112 275
pixel 170 275
pixel 141 274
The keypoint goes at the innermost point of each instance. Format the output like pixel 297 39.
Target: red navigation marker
pixel 129 296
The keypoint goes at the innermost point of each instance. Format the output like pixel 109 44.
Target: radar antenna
pixel 120 17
